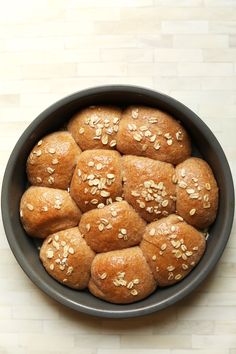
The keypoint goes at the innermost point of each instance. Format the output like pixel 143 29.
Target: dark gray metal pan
pixel 14 184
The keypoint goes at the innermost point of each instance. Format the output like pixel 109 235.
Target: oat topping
pixel 102 129
pixel 183 173
pixel 55 245
pixel 69 270
pixel 50 254
pixel 104 194
pixel 113 213
pixel 71 250
pixel 152 232
pixel 30 206
pixel 55 161
pixel 170 268
pixel 156 145
pixel 51 180
pixel 137 137
pixel 39 179
pixel 118 199
pixel 190 190
pixel 123 234
pixel 134 292
pixel 150 191
pixel 88 227
pixel 178 276
pixel 134 113
pixel 103 276
pixel 50 170
pixel 184 266
pixel 192 212
pixel 182 184
pixel 104 139
pixel 179 135
pixel 38 153
pixel 112 143
pixel 163 246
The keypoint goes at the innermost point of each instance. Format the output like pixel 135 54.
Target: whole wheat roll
pixel 196 192
pixel 96 127
pixel 172 249
pixel 52 161
pixel 146 131
pixel 121 276
pixel 149 186
pixel 116 226
pixel 67 258
pixel 44 211
pixel 97 179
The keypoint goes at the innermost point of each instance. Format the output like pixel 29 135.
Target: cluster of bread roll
pixel 119 202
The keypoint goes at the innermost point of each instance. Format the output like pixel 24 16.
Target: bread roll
pixel 97 179
pixel 149 132
pixel 113 227
pixel 67 258
pixel 121 276
pixel 45 210
pixel 149 186
pixel 52 161
pixel 96 127
pixel 172 249
pixel 196 192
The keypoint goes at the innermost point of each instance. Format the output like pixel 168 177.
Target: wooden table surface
pixel 185 48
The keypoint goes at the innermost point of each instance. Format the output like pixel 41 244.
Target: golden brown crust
pixel 118 195
pixel 196 192
pixel 45 210
pixel 97 179
pixel 149 186
pixel 121 276
pixel 172 249
pixel 152 133
pixel 96 127
pixel 116 226
pixel 52 161
pixel 67 258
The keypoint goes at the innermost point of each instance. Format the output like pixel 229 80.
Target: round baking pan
pixel 25 248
